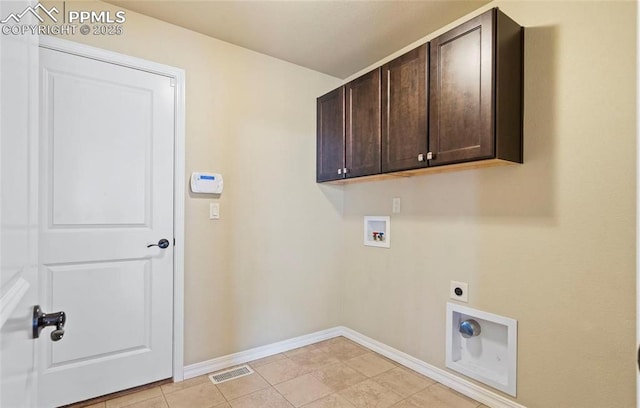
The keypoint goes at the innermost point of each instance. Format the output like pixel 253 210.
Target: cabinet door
pixel 461 93
pixel 363 125
pixel 330 136
pixel 404 111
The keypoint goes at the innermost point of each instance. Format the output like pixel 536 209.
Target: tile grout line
pixel 285 398
pixel 313 373
pixel 228 401
pixel 142 400
pixel 274 387
pixel 245 395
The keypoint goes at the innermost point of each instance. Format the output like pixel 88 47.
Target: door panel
pixel 103 282
pixel 461 93
pixel 363 125
pixel 78 196
pixel 106 192
pixel 404 111
pixel 330 136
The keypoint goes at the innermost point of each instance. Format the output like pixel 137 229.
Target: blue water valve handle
pixel 470 328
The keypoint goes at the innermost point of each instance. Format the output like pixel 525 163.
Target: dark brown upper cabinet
pixel 404 107
pixel 330 136
pixel 362 125
pixel 348 130
pixel 475 93
pixel 456 101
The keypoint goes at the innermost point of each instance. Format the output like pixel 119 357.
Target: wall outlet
pixel 459 291
pixel 395 207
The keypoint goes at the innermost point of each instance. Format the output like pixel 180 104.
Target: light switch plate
pixel 214 211
pixel 459 291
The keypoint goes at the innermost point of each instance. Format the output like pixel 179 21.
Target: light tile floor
pixel 336 373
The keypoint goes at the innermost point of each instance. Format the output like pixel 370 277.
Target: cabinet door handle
pixel 431 156
pixel 421 157
pixel 339 171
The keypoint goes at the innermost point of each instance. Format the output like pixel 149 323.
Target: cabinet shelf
pixel 480 164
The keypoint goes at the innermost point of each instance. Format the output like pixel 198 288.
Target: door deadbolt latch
pixel 42 320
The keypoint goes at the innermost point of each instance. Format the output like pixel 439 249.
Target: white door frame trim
pixel 637 356
pixel 178 75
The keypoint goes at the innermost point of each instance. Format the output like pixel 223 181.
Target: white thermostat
pixel 208 183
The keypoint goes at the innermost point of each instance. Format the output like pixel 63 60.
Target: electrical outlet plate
pixel 395 205
pixel 464 287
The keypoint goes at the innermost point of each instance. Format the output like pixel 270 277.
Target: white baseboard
pixel 463 386
pixel 242 357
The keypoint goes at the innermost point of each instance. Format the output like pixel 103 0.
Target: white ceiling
pixel 338 38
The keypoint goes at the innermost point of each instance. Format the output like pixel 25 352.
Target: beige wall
pixel 262 273
pixel 550 243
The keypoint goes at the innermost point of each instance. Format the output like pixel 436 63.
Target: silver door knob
pixel 163 243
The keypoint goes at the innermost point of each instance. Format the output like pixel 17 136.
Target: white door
pixel 18 212
pixel 106 193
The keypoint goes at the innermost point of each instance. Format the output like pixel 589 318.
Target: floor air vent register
pixel 231 374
